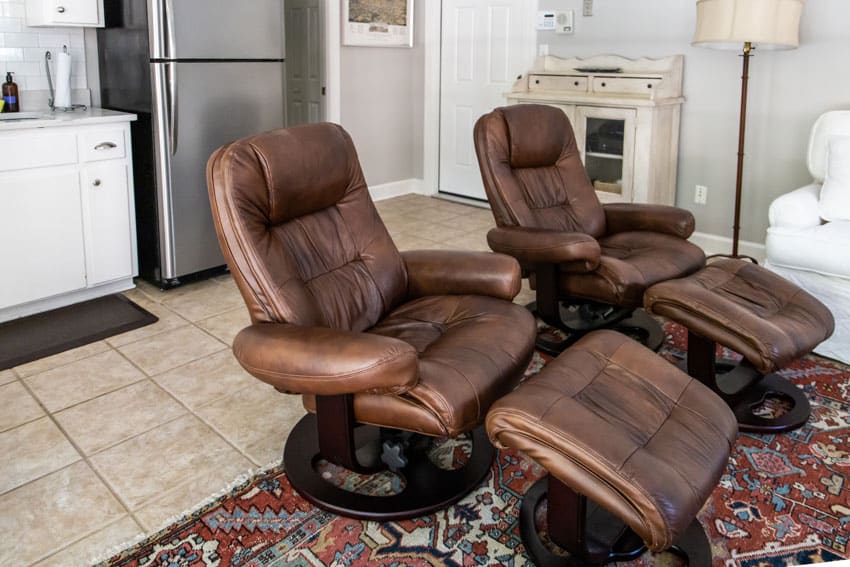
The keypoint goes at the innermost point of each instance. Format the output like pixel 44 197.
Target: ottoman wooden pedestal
pixel 754 312
pixel 633 447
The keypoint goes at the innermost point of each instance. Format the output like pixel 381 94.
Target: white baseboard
pixel 715 244
pixel 396 189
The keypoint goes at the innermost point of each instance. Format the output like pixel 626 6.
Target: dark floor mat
pixel 43 334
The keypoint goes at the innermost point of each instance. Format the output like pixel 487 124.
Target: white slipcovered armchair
pixel 809 250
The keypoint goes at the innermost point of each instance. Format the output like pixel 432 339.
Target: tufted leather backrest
pixel 532 171
pixel 300 232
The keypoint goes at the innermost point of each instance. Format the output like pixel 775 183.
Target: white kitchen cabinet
pixel 67 221
pixel 106 209
pixel 86 13
pixel 41 234
pixel 625 115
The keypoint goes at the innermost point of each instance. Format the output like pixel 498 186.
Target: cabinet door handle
pixel 96 182
pixel 106 146
pixel 60 9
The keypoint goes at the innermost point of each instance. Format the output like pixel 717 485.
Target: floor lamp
pixel 744 25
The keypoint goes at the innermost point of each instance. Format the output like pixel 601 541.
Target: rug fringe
pixel 242 478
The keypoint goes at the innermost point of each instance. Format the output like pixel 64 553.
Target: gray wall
pixel 788 90
pixel 382 107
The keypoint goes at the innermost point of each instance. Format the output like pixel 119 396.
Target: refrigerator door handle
pixel 155 35
pixel 170 41
pixel 171 88
pixel 163 151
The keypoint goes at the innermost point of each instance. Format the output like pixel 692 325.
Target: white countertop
pixel 57 119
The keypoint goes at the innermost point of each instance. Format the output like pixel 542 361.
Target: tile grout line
pixel 88 463
pixel 78 540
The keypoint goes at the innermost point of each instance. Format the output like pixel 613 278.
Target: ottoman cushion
pixel 747 308
pixel 622 426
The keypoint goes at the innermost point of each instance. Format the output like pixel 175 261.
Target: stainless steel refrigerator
pixel 198 73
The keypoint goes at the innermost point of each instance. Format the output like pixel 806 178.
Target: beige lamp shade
pixel 767 24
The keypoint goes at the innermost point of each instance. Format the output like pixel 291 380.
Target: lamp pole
pixel 742 126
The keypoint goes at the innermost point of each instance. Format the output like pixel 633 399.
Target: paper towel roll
pixel 63 81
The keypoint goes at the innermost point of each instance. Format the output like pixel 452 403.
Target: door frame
pixel 431 131
pixel 332 58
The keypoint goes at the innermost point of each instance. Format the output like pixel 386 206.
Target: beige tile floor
pixel 109 441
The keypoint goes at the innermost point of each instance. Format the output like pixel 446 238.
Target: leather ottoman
pixel 754 312
pixel 616 425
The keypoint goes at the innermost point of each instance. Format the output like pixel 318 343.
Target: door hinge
pixel 324 91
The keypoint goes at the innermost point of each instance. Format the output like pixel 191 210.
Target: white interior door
pixel 305 55
pixel 486 44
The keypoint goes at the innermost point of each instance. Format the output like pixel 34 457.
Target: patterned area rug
pixel 784 500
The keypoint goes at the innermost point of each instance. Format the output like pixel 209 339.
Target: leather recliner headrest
pixel 538 134
pixel 319 165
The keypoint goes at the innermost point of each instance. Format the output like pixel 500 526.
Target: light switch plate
pixel 587 8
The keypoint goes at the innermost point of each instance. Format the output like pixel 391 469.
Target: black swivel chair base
pixel 332 434
pixel 578 319
pixel 587 534
pixel 743 388
pixel 581 317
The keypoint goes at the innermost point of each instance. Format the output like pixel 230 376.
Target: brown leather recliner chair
pixel 598 258
pixel 420 341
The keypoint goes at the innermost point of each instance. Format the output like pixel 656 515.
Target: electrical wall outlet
pixel 587 8
pixel 701 195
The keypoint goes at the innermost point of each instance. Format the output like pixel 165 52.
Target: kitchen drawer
pixel 25 150
pixel 102 143
pixel 631 85
pixel 557 83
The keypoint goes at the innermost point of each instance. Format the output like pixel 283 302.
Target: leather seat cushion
pixel 630 263
pixel 747 308
pixel 469 348
pixel 622 426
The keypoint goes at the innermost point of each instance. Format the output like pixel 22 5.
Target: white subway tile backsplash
pixel 28 69
pixel 11 54
pixel 10 25
pixel 53 39
pixel 16 10
pixel 22 48
pixel 21 39
pixel 40 83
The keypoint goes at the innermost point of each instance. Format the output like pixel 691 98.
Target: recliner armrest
pixel 626 217
pixel 326 362
pixel 797 209
pixel 539 246
pixel 455 272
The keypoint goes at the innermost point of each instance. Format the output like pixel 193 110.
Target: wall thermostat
pixel 546 21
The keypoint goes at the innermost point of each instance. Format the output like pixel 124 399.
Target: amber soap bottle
pixel 10 95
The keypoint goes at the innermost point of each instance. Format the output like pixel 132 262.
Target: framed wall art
pixel 377 23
